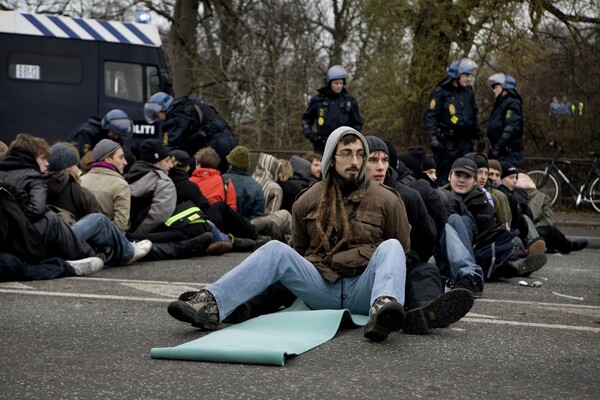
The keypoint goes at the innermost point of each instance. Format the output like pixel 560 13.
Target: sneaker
pixel 385 316
pixel 578 244
pixel 535 246
pixel 140 250
pixel 439 313
pixel 200 310
pixel 472 284
pixel 526 266
pixel 86 266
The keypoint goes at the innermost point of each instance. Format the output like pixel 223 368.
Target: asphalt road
pixel 90 338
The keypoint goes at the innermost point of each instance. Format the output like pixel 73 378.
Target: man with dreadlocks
pixel 350 238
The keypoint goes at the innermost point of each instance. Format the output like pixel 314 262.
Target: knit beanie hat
pixel 105 148
pixel 480 159
pixel 495 164
pixel 428 163
pixel 376 144
pixel 239 158
pixel 153 151
pixel 413 159
pixel 62 157
pixel 508 169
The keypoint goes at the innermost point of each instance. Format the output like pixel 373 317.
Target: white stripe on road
pixel 538 303
pixel 532 324
pixel 483 319
pixel 87 278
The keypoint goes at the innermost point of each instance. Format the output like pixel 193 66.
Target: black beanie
pixel 480 159
pixel 376 144
pixel 508 169
pixel 413 159
pixel 153 151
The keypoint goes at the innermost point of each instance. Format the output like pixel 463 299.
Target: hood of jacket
pixel 301 167
pixel 19 159
pixel 331 146
pixel 139 169
pixel 57 181
pixel 267 167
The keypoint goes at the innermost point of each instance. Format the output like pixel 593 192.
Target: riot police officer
pixel 115 125
pixel 451 118
pixel 331 108
pixel 190 123
pixel 505 126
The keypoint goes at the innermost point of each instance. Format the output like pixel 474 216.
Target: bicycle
pixel 547 181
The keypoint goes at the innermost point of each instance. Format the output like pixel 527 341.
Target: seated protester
pixel 64 197
pixel 493 244
pixel 482 173
pixel 276 222
pixel 302 171
pixel 23 167
pixel 153 195
pixel 434 203
pixel 315 165
pixel 23 251
pixel 501 205
pixel 289 186
pixel 208 178
pixel 521 214
pixel 250 199
pixel 327 253
pixel 114 195
pixel 221 195
pixel 3 150
pixel 190 203
pixel 426 303
pixel 106 182
pixel 541 209
pixel 429 171
pixel 553 238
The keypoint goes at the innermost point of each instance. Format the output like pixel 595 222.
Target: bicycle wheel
pixel 595 194
pixel 546 183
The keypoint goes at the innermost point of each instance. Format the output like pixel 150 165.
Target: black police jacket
pixel 329 111
pixel 505 126
pixel 89 134
pixel 452 110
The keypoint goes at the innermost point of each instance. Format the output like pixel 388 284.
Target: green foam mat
pixel 267 339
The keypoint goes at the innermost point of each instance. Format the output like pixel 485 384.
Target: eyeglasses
pixel 348 155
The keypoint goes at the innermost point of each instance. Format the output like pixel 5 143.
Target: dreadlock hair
pixel 329 212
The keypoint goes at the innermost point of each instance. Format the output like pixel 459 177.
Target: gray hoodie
pixel 331 146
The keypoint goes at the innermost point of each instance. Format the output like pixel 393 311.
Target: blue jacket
pixel 452 108
pixel 250 197
pixel 505 126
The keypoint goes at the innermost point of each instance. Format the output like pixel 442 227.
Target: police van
pixel 57 72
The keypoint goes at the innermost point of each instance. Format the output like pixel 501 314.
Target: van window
pixel 123 81
pixel 152 80
pixel 44 68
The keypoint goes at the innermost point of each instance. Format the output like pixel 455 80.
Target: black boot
pixel 578 244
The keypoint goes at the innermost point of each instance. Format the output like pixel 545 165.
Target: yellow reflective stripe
pixel 193 214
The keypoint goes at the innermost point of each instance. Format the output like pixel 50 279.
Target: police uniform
pixel 191 124
pixel 87 135
pixel 329 111
pixel 505 129
pixel 451 118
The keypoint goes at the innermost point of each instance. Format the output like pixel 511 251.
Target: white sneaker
pixel 140 249
pixel 86 266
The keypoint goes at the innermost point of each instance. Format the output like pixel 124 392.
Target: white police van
pixel 57 72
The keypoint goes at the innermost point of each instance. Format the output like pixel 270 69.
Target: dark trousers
pixel 229 221
pixel 60 239
pixel 13 268
pixel 554 238
pixel 423 284
pixel 453 148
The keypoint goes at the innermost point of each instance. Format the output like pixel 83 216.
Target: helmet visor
pixel 151 110
pixel 122 127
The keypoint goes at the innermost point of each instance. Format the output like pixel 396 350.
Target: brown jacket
pixel 380 215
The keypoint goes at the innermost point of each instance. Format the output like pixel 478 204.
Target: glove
pixel 480 144
pixel 307 133
pixel 436 146
pixel 493 154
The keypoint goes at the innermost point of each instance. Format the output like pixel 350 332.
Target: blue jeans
pixel 457 258
pixel 275 261
pixel 99 231
pixel 217 234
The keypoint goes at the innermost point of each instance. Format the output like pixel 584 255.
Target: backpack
pixel 18 236
pixel 188 219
